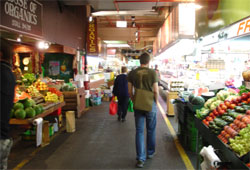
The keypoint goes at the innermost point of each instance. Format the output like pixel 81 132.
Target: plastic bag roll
pixel 209 155
pixel 39 130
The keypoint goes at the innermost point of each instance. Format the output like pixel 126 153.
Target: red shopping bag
pixel 113 107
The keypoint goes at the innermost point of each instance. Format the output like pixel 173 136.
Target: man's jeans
pixel 150 117
pixel 5 146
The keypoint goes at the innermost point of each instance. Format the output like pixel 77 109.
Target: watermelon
pixel 18 106
pixel 28 103
pixel 198 100
pixel 41 107
pixel 20 114
pixel 30 112
pixel 38 109
pixel 190 97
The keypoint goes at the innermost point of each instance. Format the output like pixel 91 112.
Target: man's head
pixel 144 58
pixel 6 50
pixel 124 69
pixel 156 66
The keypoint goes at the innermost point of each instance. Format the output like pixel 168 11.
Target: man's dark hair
pixel 144 58
pixel 124 69
pixel 6 49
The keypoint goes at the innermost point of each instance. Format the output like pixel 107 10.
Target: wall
pixel 217 14
pixel 65 28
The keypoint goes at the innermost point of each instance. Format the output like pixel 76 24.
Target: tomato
pixel 224 107
pixel 239 117
pixel 244 101
pixel 248 100
pixel 223 133
pixel 221 104
pixel 227 103
pixel 248 94
pixel 221 112
pixel 209 118
pixel 212 115
pixel 232 106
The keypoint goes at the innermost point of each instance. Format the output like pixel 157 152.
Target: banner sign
pixel 92 43
pixel 24 16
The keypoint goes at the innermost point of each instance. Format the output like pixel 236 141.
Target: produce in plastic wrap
pixel 241 144
pixel 222 95
pixel 215 104
pixel 209 102
pixel 202 113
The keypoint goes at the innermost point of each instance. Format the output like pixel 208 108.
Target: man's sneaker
pixel 151 156
pixel 123 119
pixel 140 164
pixel 119 118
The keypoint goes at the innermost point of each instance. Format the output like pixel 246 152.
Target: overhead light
pixel 121 24
pixel 136 33
pixel 90 19
pixel 197 7
pixel 18 39
pixel 132 18
pixel 118 45
pixel 43 45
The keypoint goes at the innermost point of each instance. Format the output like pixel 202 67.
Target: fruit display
pixel 241 144
pixel 41 86
pixel 67 87
pixel 28 79
pixel 26 109
pixel 51 97
pixel 19 95
pixel 230 120
pixel 33 91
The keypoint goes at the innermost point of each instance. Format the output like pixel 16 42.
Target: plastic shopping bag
pixel 130 106
pixel 113 108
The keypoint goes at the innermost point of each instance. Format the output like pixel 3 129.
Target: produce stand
pixel 50 110
pixel 226 154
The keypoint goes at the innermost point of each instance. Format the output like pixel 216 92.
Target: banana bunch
pixel 51 97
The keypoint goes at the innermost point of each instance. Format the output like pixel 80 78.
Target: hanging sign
pixel 92 43
pixel 24 16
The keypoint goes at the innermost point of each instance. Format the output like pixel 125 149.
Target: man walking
pixel 7 95
pixel 144 82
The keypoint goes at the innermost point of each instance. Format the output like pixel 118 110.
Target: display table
pixel 50 110
pixel 226 155
pixel 170 107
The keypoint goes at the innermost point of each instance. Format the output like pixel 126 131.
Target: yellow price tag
pixel 214 70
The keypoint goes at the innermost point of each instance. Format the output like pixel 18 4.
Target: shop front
pixel 46 64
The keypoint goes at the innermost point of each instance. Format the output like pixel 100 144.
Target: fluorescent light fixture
pixel 136 33
pixel 90 19
pixel 121 24
pixel 114 42
pixel 118 45
pixel 18 39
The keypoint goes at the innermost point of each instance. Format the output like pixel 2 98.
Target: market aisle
pixel 101 142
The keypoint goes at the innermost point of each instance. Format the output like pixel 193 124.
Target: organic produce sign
pixel 23 16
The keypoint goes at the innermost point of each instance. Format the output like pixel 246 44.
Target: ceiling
pixel 148 17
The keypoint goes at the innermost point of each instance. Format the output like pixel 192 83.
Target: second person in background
pixel 121 91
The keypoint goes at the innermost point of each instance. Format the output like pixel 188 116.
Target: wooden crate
pixel 170 107
pixel 75 101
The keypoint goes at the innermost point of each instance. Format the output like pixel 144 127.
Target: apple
pixel 232 106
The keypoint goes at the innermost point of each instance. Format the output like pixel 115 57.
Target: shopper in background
pixel 145 79
pixel 158 74
pixel 7 96
pixel 121 91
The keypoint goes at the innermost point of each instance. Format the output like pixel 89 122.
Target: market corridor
pixel 101 142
